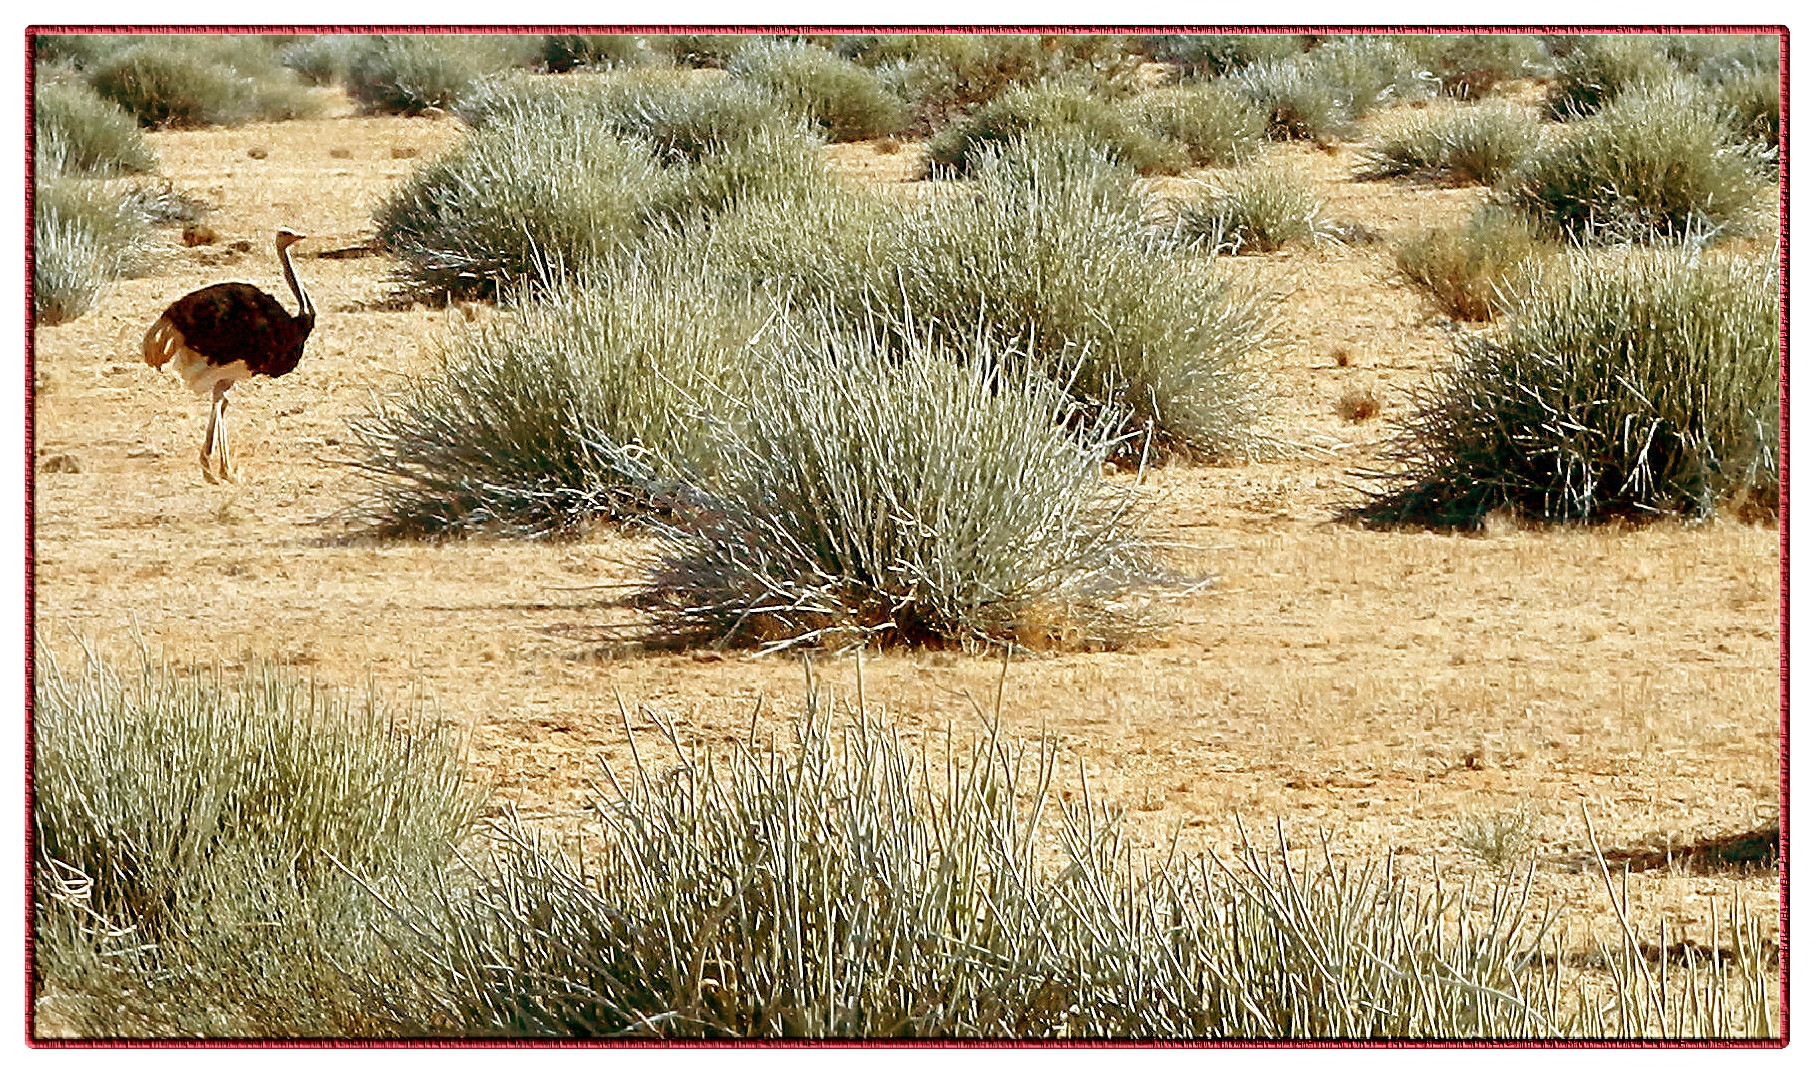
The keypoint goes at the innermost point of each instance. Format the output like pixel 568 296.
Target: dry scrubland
pixel 1386 687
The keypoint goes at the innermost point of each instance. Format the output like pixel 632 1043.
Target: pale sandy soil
pixel 1381 686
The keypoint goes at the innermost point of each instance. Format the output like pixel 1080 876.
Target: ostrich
pixel 230 332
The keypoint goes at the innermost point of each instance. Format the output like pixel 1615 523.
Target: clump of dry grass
pixel 1474 143
pixel 1467 268
pixel 1254 210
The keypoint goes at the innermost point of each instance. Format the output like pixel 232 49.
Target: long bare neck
pixel 305 310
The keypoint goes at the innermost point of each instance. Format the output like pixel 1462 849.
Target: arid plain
pixel 1385 687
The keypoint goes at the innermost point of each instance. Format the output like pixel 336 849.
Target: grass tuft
pixel 1254 210
pixel 841 100
pixel 1054 111
pixel 1466 268
pixel 76 131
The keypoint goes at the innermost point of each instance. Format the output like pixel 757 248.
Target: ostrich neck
pixel 304 310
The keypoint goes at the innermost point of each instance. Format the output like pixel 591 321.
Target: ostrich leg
pixel 226 473
pixel 208 440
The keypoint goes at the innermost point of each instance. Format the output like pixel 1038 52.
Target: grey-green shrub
pixel 1254 210
pixel 1753 101
pixel 682 121
pixel 1202 56
pixel 1474 143
pixel 195 80
pixel 589 404
pixel 1215 126
pixel 519 200
pixel 1658 162
pixel 322 59
pixel 1051 252
pixel 566 52
pixel 943 77
pixel 78 132
pixel 85 234
pixel 1469 66
pixel 193 839
pixel 1631 384
pixel 901 493
pixel 408 74
pixel 1467 268
pixel 1368 71
pixel 1599 67
pixel 1053 110
pixel 1295 99
pixel 843 101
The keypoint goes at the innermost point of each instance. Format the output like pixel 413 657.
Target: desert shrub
pixel 842 100
pixel 1753 101
pixel 1051 252
pixel 1199 56
pixel 81 52
pixel 1295 99
pixel 587 405
pixel 410 73
pixel 566 52
pixel 1660 161
pixel 683 122
pixel 1364 72
pixel 944 76
pixel 897 492
pixel 193 844
pixel 1466 268
pixel 1632 384
pixel 195 80
pixel 847 886
pixel 85 234
pixel 1713 57
pixel 705 50
pixel 1213 125
pixel 1052 110
pixel 1469 66
pixel 1597 68
pixel 322 59
pixel 1477 143
pixel 1254 210
pixel 76 131
pixel 518 199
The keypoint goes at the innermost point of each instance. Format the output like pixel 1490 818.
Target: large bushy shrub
pixel 1052 110
pixel 85 234
pixel 195 80
pixel 408 74
pixel 592 403
pixel 1633 384
pixel 894 491
pixel 78 132
pixel 843 101
pixel 1660 161
pixel 196 843
pixel 1472 143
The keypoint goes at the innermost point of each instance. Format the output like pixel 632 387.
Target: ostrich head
pixel 287 238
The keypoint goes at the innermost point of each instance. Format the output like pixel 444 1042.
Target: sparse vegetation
pixel 1632 384
pixel 195 80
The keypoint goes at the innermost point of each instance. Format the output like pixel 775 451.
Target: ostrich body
pixel 230 332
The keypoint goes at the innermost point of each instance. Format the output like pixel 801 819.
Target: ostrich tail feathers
pixel 162 343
